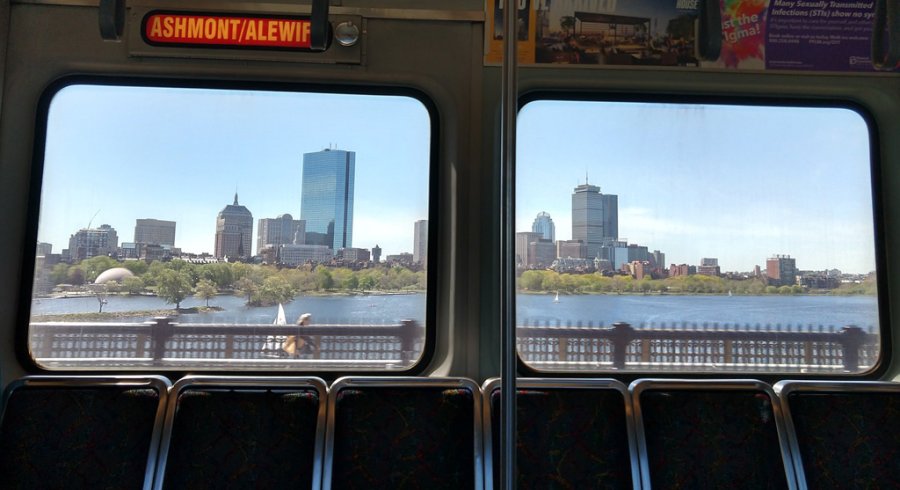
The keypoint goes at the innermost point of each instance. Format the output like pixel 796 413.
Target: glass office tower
pixel 326 199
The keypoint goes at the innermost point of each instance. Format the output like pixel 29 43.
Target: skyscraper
pixel 234 231
pixel 154 232
pixel 543 224
pixel 420 242
pixel 283 230
pixel 595 217
pixel 326 199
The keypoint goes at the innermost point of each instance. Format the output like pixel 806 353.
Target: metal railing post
pixel 161 331
pixel 621 336
pixel 408 331
pixel 851 338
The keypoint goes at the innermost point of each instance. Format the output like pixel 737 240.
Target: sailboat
pixel 556 299
pixel 272 345
pixel 280 319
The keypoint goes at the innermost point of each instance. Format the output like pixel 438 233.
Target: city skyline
pixel 740 183
pixel 187 151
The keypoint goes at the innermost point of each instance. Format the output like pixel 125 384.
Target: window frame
pixel 26 283
pixel 884 360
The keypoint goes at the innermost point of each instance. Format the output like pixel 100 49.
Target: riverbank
pixel 123 315
pixel 340 293
pixel 814 292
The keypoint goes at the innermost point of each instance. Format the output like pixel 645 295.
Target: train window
pixel 695 237
pixel 232 227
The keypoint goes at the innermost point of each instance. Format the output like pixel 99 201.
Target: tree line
pixel 550 281
pixel 262 285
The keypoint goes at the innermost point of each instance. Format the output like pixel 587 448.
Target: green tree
pixel 188 268
pixel 275 289
pixel 76 276
pixel 246 286
pixel 137 267
pixel 367 283
pixel 219 273
pixel 351 283
pixel 324 280
pixel 206 289
pixel 173 286
pixel 154 271
pixel 134 285
pixel 59 274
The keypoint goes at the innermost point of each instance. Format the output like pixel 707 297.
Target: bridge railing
pixel 165 343
pixel 689 348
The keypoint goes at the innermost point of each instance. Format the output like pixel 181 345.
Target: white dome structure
pixel 116 274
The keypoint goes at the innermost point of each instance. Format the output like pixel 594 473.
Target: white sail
pixel 280 319
pixel 556 299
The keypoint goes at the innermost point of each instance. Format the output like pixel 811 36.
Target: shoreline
pixel 88 294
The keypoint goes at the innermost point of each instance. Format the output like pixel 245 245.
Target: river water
pixel 651 311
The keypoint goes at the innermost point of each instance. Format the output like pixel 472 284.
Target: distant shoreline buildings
pixel 597 247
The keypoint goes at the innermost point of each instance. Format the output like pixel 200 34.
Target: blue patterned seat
pixel 81 432
pixel 244 433
pixel 711 434
pixel 847 434
pixel 404 433
pixel 571 434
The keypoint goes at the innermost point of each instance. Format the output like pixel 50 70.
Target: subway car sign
pixel 260 32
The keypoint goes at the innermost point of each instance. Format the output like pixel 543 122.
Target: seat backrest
pixel 81 431
pixel 404 433
pixel 843 434
pixel 571 433
pixel 244 432
pixel 711 434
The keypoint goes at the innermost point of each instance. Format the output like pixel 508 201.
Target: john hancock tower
pixel 326 199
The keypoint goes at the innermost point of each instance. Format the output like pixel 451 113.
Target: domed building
pixel 234 232
pixel 116 274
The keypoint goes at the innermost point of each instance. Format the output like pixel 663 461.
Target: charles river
pixel 649 311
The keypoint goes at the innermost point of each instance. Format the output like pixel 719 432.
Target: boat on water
pixel 556 299
pixel 272 345
pixel 280 318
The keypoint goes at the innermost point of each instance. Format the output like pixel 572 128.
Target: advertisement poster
pixel 825 35
pixel 525 30
pixel 820 35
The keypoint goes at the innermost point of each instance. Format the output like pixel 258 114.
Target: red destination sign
pixel 226 31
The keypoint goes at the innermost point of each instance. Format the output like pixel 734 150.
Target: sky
pixel 123 153
pixel 736 183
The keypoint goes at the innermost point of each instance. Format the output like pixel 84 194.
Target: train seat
pixel 243 432
pixel 572 433
pixel 711 434
pixel 843 434
pixel 92 432
pixel 404 432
